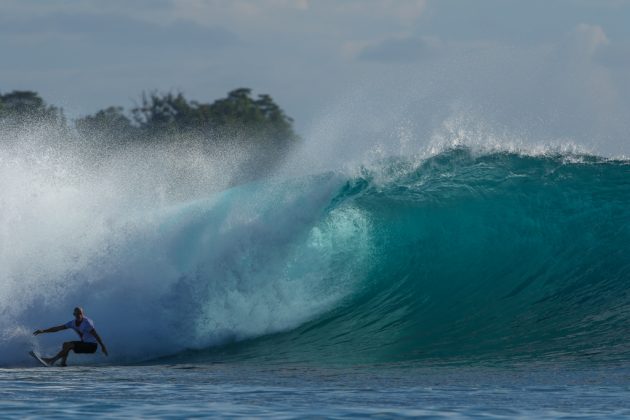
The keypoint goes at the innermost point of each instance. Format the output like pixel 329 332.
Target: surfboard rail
pixel 38 358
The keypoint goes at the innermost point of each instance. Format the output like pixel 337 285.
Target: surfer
pixel 84 327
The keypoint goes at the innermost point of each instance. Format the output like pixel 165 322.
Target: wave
pixel 476 256
pixel 462 255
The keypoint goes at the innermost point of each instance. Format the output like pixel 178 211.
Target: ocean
pixel 468 283
pixel 256 390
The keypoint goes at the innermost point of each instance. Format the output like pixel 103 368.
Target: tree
pixel 164 114
pixel 22 108
pixel 259 128
pixel 238 117
pixel 110 123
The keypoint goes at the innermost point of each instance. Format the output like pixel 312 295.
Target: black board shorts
pixel 81 347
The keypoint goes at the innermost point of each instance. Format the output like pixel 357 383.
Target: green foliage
pixel 236 117
pixel 164 114
pixel 20 108
pixel 254 118
pixel 109 123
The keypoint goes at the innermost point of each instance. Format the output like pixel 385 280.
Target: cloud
pixel 403 49
pixel 615 55
pixel 103 46
pixel 585 39
pixel 124 32
pixel 590 43
pixel 404 12
pixel 205 11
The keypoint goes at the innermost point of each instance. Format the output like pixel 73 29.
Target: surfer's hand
pixel 37 332
pixel 104 350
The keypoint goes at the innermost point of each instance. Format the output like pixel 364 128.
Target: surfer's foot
pixel 49 360
pixel 63 365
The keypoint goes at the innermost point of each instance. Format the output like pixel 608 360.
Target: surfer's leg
pixel 63 354
pixel 66 349
pixel 50 360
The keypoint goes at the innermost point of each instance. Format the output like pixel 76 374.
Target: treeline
pixel 169 116
pixel 255 125
pixel 20 109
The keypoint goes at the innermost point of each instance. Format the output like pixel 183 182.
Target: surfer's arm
pixel 98 338
pixel 50 330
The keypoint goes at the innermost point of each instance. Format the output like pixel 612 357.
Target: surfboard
pixel 36 356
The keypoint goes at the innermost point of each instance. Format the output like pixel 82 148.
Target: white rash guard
pixel 83 329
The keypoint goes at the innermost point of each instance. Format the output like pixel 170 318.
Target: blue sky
pixel 544 68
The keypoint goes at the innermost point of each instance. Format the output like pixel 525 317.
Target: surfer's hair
pixel 78 308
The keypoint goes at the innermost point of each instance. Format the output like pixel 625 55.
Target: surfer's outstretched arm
pixel 98 338
pixel 50 330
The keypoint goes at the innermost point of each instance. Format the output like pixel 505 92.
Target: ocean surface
pixel 297 391
pixel 463 284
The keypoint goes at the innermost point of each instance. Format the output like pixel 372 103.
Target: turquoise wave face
pixel 469 257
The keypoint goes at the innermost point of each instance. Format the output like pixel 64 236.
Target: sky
pixel 541 70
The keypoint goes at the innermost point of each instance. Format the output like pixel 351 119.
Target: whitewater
pixel 427 282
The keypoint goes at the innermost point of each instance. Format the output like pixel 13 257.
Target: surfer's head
pixel 78 312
